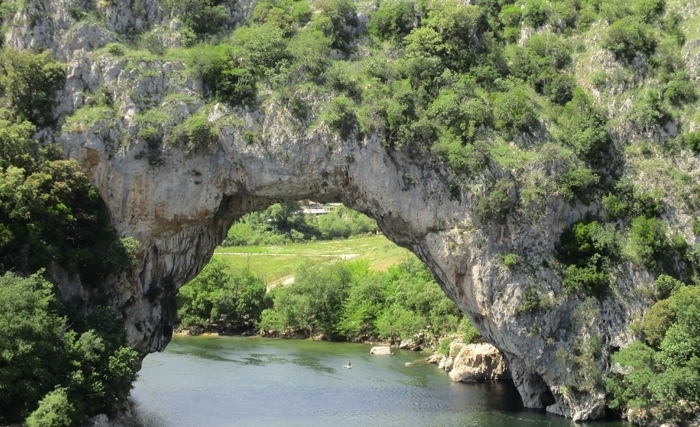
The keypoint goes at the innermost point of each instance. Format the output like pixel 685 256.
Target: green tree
pixel 666 380
pixel 28 84
pixel 55 410
pixel 393 20
pixel 628 37
pixel 31 339
pixel 231 300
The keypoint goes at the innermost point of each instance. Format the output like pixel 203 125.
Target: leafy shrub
pixel 510 260
pixel 576 183
pixel 692 141
pixel 224 75
pixel 586 238
pixel 310 50
pixel 335 20
pixel 534 12
pixel 196 133
pixel 666 286
pixel 469 333
pixel 589 279
pixel 340 116
pixel 657 320
pixel 497 203
pixel 153 43
pixel 347 300
pixel 628 37
pixel 393 20
pixel 62 218
pixel 276 223
pixel 299 109
pixel 341 77
pixel 54 411
pixel 630 201
pixel 539 62
pixel 29 83
pixel 560 88
pixel 115 49
pixel 443 346
pixel 531 300
pixel 589 249
pixel 584 128
pixel 647 111
pixel 649 241
pixel 259 47
pixel 202 16
pixel 32 334
pixel 510 15
pixel 679 90
pixel 513 111
pixel 87 354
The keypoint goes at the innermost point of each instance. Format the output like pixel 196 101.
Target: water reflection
pixel 222 382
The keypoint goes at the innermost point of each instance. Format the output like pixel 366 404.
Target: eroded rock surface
pixel 473 362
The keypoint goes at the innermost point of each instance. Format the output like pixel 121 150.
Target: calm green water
pixel 233 381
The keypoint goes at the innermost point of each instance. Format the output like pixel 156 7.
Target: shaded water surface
pixel 233 381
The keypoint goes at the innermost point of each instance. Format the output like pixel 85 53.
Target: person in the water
pixel 349 364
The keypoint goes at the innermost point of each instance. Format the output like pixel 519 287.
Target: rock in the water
pixel 381 351
pixel 479 362
pixel 435 359
pixel 409 344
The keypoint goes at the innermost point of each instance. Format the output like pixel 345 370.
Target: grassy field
pixel 274 263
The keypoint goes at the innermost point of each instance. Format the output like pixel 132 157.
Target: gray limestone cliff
pixel 179 202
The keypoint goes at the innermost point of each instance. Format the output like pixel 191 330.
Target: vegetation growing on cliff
pixel 659 377
pixel 59 364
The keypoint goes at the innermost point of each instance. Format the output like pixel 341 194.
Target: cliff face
pixel 179 202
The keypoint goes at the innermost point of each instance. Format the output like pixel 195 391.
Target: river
pixel 236 381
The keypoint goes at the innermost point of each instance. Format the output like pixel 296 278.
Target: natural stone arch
pixel 180 207
pixel 181 210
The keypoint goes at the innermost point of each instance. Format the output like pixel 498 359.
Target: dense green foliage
pixel 663 375
pixel 283 223
pixel 588 248
pixel 58 365
pixel 341 301
pixel 231 301
pixel 349 301
pixel 46 346
pixel 49 212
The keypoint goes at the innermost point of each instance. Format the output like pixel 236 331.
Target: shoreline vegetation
pixel 352 286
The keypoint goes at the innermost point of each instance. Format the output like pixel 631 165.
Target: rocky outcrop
pixel 381 351
pixel 179 202
pixel 414 343
pixel 472 362
pixel 479 362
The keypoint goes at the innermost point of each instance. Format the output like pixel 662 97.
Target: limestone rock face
pixel 179 201
pixel 479 362
pixel 381 351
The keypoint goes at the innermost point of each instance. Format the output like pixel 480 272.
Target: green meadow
pixel 277 262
